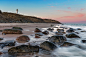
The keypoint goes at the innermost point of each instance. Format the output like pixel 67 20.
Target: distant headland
pixel 7 17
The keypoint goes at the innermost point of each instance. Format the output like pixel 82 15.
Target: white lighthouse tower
pixel 17 11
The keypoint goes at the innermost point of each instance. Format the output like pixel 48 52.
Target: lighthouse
pixel 17 11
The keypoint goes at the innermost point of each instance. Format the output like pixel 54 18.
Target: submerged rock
pixel 72 35
pixel 19 28
pixel 60 30
pixel 58 33
pixel 70 30
pixel 7 43
pixel 79 29
pixel 45 32
pixel 83 41
pixel 50 29
pixel 48 46
pixel 23 49
pixel 1 39
pixel 58 39
pixel 39 34
pixel 66 44
pixel 23 39
pixel 11 31
pixel 83 31
pixel 37 30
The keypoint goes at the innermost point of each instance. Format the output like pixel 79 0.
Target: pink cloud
pixel 80 15
pixel 69 7
pixel 64 11
pixel 82 9
pixel 51 6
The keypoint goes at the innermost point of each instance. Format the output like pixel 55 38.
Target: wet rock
pixel 37 30
pixel 23 39
pixel 50 29
pixel 57 39
pixel 1 53
pixel 19 28
pixel 77 32
pixel 58 33
pixel 83 41
pixel 7 43
pixel 11 31
pixel 66 44
pixel 19 50
pixel 0 30
pixel 72 35
pixel 48 46
pixel 83 31
pixel 45 32
pixel 60 30
pixel 70 30
pixel 1 39
pixel 79 29
pixel 39 34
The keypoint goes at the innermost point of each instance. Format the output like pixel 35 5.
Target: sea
pixel 72 51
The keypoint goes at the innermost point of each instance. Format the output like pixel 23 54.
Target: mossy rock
pixel 23 49
pixel 72 35
pixel 66 44
pixel 17 28
pixel 48 46
pixel 11 31
pixel 57 39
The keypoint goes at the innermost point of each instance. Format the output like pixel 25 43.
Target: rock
pixel 50 29
pixel 19 28
pixel 58 33
pixel 39 34
pixel 48 46
pixel 60 30
pixel 11 31
pixel 1 53
pixel 77 32
pixel 0 12
pixel 45 32
pixel 66 44
pixel 83 41
pixel 1 39
pixel 83 31
pixel 72 35
pixel 7 43
pixel 70 30
pixel 37 30
pixel 57 39
pixel 0 30
pixel 23 39
pixel 79 29
pixel 23 49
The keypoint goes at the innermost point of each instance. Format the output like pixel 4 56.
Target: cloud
pixel 69 7
pixel 64 11
pixel 77 15
pixel 51 6
pixel 82 9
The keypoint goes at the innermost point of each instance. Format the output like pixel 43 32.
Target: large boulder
pixel 70 30
pixel 72 35
pixel 37 30
pixel 23 49
pixel 66 44
pixel 48 46
pixel 1 53
pixel 83 41
pixel 57 39
pixel 7 43
pixel 23 39
pixel 19 28
pixel 45 32
pixel 11 31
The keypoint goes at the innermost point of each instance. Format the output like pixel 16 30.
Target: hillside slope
pixel 6 17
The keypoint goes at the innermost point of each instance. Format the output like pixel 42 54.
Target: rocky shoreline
pixel 42 43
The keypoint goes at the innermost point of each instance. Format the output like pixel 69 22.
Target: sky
pixel 65 11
